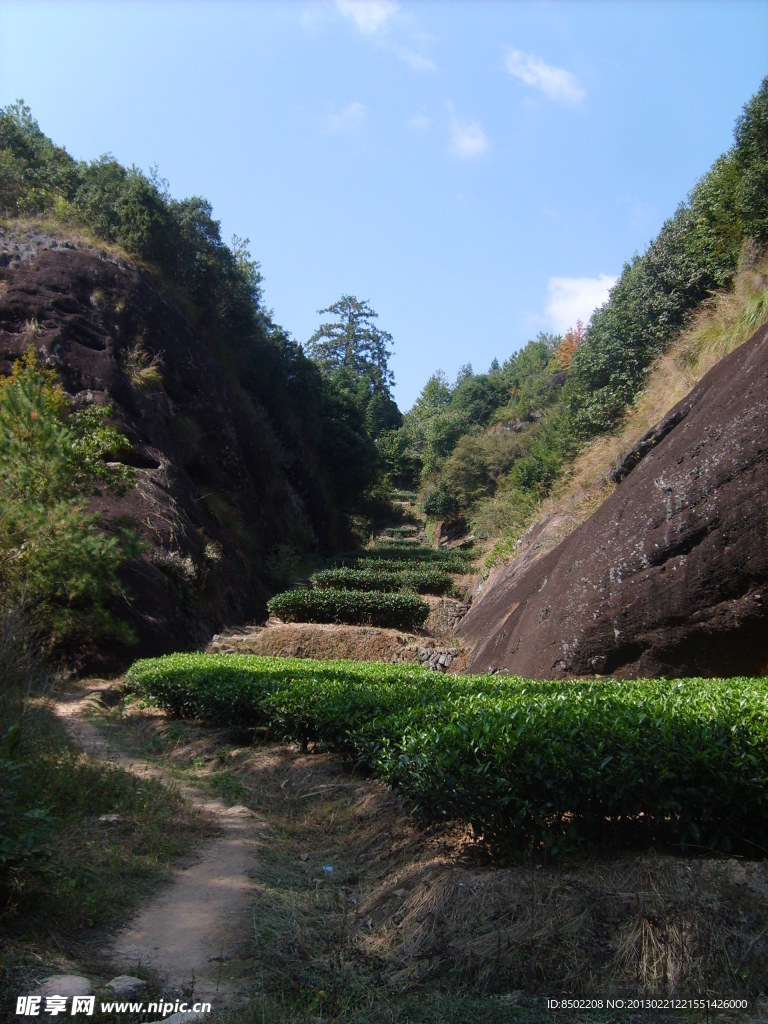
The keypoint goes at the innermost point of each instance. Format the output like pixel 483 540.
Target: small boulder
pixel 126 986
pixel 67 985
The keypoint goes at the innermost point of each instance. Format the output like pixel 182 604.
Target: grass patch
pixel 112 839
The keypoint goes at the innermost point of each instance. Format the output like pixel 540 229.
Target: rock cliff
pixel 214 500
pixel 670 575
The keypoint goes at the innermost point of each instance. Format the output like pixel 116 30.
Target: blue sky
pixel 478 172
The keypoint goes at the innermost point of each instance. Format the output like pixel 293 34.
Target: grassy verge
pixel 102 840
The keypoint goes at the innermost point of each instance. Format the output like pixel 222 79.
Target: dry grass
pixel 727 320
pixel 31 227
pixel 327 641
pixel 142 369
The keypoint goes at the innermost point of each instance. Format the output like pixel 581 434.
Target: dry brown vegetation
pixel 327 641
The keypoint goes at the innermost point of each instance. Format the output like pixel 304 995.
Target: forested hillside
pixel 239 453
pixel 217 285
pixel 487 448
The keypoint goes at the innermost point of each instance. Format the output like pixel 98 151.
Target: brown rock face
pixel 212 500
pixel 670 575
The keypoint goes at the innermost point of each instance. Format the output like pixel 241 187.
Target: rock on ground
pixel 67 985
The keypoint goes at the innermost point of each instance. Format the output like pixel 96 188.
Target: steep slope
pixel 213 500
pixel 669 575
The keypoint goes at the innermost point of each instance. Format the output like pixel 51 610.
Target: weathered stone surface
pixel 125 986
pixel 67 985
pixel 201 477
pixel 670 575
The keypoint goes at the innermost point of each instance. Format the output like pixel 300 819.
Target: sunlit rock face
pixel 670 575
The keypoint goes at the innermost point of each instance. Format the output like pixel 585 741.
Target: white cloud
pixel 468 139
pixel 419 122
pixel 415 61
pixel 352 114
pixel 575 298
pixel 375 18
pixel 368 15
pixel 557 83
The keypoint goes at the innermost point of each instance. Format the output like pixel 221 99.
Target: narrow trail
pixel 193 932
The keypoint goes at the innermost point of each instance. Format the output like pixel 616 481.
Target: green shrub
pixel 440 503
pixel 682 761
pixel 423 579
pixel 55 561
pixel 393 556
pixel 25 825
pixel 354 607
pixel 543 765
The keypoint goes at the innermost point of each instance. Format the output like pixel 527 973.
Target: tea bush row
pixel 400 610
pixel 529 765
pixel 393 555
pixel 425 579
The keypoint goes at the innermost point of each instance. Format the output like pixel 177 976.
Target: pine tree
pixel 354 353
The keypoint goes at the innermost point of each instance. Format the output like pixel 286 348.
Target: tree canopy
pixel 353 352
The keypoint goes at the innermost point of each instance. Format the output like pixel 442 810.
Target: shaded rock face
pixel 210 502
pixel 670 575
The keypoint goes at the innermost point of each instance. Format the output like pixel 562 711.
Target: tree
pixel 355 353
pixel 396 453
pixel 353 342
pixel 58 569
pixel 435 395
pixel 569 344
pixel 752 158
pixel 478 396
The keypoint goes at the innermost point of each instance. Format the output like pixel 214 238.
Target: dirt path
pixel 193 932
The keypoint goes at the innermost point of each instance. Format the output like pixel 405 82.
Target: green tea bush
pixel 423 579
pixel 684 761
pixel 343 702
pixel 553 766
pixel 393 556
pixel 354 607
